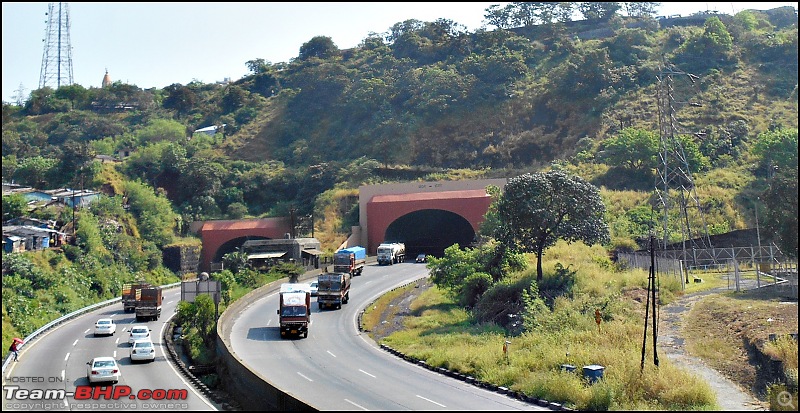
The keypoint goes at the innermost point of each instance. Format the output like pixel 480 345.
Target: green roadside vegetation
pixel 558 330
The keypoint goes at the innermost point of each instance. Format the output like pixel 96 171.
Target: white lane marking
pixel 354 404
pixel 62 375
pixel 66 357
pixel 328 351
pixel 429 400
pixel 115 354
pixel 87 330
pixel 301 375
pixel 366 373
pixel 116 341
pixel 76 342
pixel 179 375
pixel 170 302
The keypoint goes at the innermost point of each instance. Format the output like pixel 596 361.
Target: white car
pixel 142 350
pixel 105 327
pixel 138 333
pixel 103 369
pixel 314 288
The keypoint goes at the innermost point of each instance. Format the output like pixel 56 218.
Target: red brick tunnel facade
pixel 214 234
pixel 382 210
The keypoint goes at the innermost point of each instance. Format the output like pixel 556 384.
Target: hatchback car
pixel 143 350
pixel 314 288
pixel 422 258
pixel 105 327
pixel 138 333
pixel 103 369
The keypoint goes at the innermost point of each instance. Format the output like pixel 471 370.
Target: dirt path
pixel 730 396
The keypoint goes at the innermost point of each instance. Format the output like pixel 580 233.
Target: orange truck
pixel 129 294
pixel 148 303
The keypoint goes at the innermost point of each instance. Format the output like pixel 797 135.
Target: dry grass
pixel 438 331
pixel 724 330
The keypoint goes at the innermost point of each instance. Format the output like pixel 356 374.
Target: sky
pixel 160 44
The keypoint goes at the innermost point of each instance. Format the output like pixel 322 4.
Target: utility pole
pixel 651 292
pixel 57 57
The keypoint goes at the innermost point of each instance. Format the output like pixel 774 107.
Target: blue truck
pixel 350 260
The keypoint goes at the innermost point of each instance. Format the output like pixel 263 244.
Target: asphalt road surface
pixel 338 368
pixel 53 366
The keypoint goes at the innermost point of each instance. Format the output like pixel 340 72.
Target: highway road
pixel 56 363
pixel 339 368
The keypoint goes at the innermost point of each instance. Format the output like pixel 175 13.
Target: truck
pixel 391 253
pixel 333 289
pixel 350 260
pixel 294 310
pixel 129 294
pixel 148 303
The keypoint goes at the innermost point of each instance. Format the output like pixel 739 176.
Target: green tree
pixel 9 164
pixel 76 94
pixel 781 216
pixel 154 215
pixel 715 45
pixel 200 314
pixel 450 271
pixel 35 171
pixel 598 9
pixel 257 66
pixel 179 98
pixel 776 150
pixel 321 47
pixel 777 154
pixel 14 206
pixel 631 148
pixel 162 130
pixel 640 8
pixel 538 209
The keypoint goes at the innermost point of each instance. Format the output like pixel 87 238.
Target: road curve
pixel 339 368
pixel 56 361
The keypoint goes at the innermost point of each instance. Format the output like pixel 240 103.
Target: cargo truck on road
pixel 350 260
pixel 333 289
pixel 294 310
pixel 391 253
pixel 129 294
pixel 148 303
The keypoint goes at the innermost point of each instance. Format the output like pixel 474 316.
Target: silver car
pixel 138 333
pixel 105 327
pixel 143 350
pixel 103 369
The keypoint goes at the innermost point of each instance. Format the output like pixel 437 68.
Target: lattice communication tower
pixel 674 187
pixel 57 57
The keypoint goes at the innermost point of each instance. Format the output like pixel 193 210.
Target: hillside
pixel 431 101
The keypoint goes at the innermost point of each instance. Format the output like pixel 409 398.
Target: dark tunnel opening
pixel 430 231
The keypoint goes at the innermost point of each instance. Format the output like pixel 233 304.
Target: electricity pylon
pixel 674 187
pixel 57 57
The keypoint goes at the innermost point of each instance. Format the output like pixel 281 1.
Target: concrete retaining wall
pixel 252 390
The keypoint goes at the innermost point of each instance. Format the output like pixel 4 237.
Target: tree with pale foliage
pixel 538 209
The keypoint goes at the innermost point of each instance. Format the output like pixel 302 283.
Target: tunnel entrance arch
pixel 232 245
pixel 382 205
pixel 430 231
